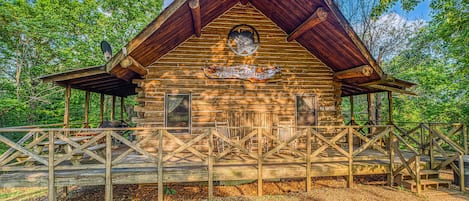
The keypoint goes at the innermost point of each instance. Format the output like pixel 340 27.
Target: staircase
pixel 428 178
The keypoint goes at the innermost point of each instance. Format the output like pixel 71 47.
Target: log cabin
pixel 250 69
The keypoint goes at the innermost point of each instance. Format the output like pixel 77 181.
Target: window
pixel 306 110
pixel 178 112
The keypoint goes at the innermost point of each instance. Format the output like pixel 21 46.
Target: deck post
pixel 464 137
pixel 308 159
pixel 87 106
pixel 108 187
pixel 350 158
pixel 51 183
pixel 101 109
pixel 160 166
pixel 392 145
pixel 369 99
pixel 122 108
pixel 259 161
pixel 210 165
pixel 422 138
pixel 461 172
pixel 391 121
pixel 113 108
pixel 68 92
pixel 352 115
pixel 417 174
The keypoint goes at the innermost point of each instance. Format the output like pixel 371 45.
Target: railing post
pixel 350 157
pixel 210 165
pixel 422 139
pixel 392 145
pixel 308 159
pixel 461 172
pixel 108 187
pixel 417 173
pixel 160 166
pixel 259 161
pixel 51 186
pixel 430 138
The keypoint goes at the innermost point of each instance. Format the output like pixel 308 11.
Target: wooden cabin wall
pixel 179 71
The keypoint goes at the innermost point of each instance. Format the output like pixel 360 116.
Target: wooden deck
pixel 158 156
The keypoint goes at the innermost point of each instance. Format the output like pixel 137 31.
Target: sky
pixel 422 11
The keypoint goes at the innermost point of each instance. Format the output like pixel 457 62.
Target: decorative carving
pixel 243 40
pixel 244 72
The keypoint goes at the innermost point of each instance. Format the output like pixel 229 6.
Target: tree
pixel 43 37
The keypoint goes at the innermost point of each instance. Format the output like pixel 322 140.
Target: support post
pixel 210 165
pixel 392 145
pixel 87 108
pixel 417 174
pixel 369 99
pixel 113 108
pixel 352 115
pixel 308 160
pixel 108 187
pixel 160 166
pixel 350 157
pixel 122 108
pixel 68 92
pixel 391 121
pixel 464 134
pixel 101 109
pixel 461 173
pixel 430 138
pixel 259 161
pixel 422 139
pixel 51 183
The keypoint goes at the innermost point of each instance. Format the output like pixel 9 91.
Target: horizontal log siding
pixel 180 72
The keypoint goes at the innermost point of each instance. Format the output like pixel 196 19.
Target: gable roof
pixel 333 41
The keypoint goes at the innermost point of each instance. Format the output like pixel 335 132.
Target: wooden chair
pixel 285 131
pixel 224 129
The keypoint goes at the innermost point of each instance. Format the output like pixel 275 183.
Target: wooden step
pixel 435 183
pixel 424 174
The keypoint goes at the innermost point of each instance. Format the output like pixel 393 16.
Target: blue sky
pixel 422 11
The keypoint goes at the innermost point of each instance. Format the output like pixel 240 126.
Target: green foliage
pixel 169 191
pixel 43 37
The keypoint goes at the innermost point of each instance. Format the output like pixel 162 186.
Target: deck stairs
pixel 428 179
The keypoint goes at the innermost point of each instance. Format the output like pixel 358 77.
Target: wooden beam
pixel 146 33
pixel 101 109
pixel 87 106
pixel 390 107
pixel 320 15
pixel 353 36
pixel 133 65
pixel 113 108
pixel 68 92
pixel 122 108
pixel 108 174
pixel 352 115
pixel 195 11
pixel 361 71
pixel 51 169
pixel 386 88
pixel 244 2
pixel 69 76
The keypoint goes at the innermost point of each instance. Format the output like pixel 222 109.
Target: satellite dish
pixel 107 50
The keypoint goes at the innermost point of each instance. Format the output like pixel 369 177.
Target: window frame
pixel 166 111
pixel 315 108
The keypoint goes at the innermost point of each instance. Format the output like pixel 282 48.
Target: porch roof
pixel 94 79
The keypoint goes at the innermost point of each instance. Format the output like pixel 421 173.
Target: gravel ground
pixel 324 189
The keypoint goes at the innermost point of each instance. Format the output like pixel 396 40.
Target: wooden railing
pixel 112 148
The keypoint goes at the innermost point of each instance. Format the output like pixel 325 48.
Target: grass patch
pixel 7 194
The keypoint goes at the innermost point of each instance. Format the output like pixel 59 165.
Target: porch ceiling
pixel 94 79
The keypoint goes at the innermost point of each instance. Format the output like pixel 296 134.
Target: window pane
pixel 177 108
pixel 305 111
